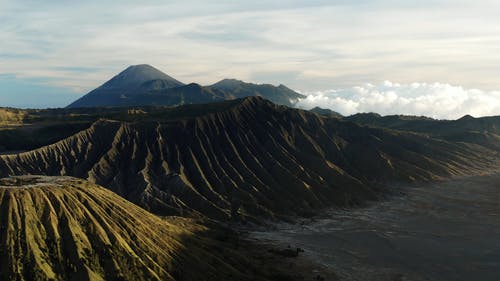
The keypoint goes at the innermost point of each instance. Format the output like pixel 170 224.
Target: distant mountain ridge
pixel 143 85
pixel 419 123
pixel 240 89
pixel 482 131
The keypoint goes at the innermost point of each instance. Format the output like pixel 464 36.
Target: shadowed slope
pixel 249 157
pixel 68 229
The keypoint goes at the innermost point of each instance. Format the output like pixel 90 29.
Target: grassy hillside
pixel 11 116
pixel 61 228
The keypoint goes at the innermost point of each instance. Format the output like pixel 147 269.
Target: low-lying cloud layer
pixel 437 100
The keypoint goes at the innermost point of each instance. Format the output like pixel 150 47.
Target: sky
pixel 52 52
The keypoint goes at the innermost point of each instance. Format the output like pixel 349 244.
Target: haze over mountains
pixel 146 85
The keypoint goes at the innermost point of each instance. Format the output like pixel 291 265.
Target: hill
pixel 62 228
pixel 144 85
pixel 246 159
pixel 326 112
pixel 483 131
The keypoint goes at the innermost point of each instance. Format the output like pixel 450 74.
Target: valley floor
pixel 440 231
pixel 275 255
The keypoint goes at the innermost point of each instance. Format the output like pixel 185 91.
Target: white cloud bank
pixel 437 100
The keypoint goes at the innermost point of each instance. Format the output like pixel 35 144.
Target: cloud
pixel 325 41
pixel 437 100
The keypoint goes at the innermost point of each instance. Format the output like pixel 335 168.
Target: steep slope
pixel 61 228
pixel 247 158
pixel 137 75
pixel 134 80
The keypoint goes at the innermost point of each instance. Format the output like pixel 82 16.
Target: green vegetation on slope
pixel 61 228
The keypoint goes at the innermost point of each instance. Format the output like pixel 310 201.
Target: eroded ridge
pixel 62 228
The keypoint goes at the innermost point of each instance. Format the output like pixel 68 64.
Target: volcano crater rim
pixel 30 181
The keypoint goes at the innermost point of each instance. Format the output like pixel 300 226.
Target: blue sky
pixel 63 49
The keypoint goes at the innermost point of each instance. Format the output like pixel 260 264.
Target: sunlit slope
pixel 250 156
pixel 11 116
pixel 61 228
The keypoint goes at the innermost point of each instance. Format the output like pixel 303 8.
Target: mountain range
pixel 246 158
pixel 141 85
pixel 482 131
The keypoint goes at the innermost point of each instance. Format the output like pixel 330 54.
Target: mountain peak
pixel 135 75
pixel 228 83
pixel 142 68
pixel 134 80
pixel 143 84
pixel 143 65
pixel 467 117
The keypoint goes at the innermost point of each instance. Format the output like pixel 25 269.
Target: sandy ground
pixel 442 231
